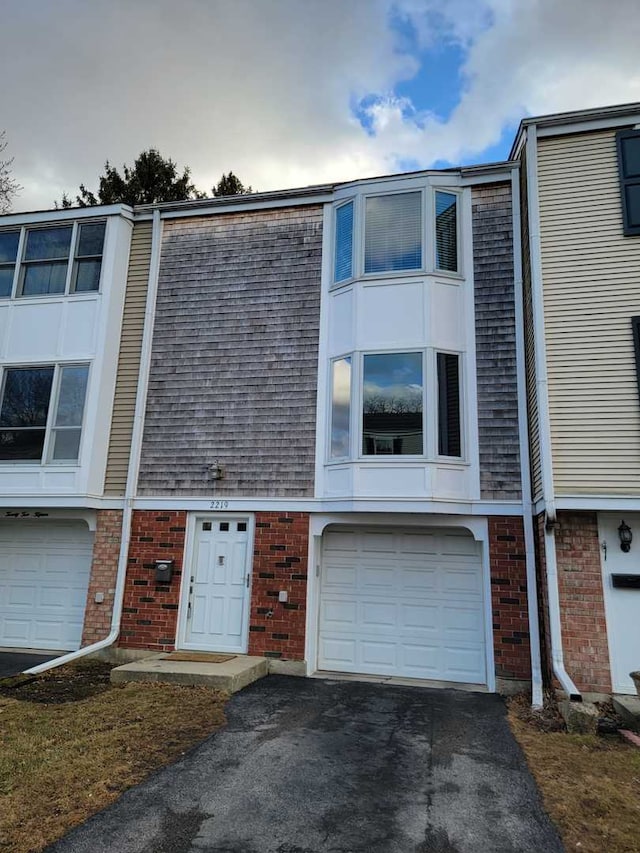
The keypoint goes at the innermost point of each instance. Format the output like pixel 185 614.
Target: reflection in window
pixel 68 420
pixel 446 232
pixel 340 407
pixel 392 419
pixel 393 232
pixel 449 434
pixel 46 257
pixel 27 396
pixel 8 253
pixel 343 261
pixel 24 411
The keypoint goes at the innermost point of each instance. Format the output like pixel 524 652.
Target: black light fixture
pixel 626 537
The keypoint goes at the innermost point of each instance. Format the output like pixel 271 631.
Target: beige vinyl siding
pixel 129 360
pixel 591 276
pixel 529 342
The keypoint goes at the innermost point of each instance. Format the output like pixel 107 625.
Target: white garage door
pixel 402 603
pixel 44 575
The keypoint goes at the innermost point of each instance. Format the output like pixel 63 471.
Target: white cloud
pixel 266 87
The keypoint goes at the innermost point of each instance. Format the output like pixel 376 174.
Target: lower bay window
pixel 41 412
pixel 407 404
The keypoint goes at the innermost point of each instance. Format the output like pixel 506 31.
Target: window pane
pixel 392 404
pixel 73 387
pixel 48 243
pixel 6 280
pixel 86 276
pixel 446 232
pixel 449 440
pixel 9 246
pixel 393 233
pixel 340 407
pixel 631 156
pixel 66 445
pixel 91 239
pixel 25 401
pixel 632 192
pixel 344 242
pixel 44 278
pixel 21 444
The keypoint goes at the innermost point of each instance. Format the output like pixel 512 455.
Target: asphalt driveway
pixel 13 663
pixel 310 766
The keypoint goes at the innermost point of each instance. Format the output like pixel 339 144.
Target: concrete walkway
pixel 310 766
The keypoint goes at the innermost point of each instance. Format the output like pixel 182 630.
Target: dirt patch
pixel 70 743
pixel 590 785
pixel 64 684
pixel 545 719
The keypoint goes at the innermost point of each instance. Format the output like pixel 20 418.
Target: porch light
pixel 626 537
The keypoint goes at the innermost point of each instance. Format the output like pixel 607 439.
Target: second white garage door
pixel 402 603
pixel 44 576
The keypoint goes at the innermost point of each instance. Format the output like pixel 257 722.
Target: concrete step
pixel 628 707
pixel 231 675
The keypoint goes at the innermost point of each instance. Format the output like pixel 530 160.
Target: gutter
pixel 544 429
pixel 525 467
pixel 134 463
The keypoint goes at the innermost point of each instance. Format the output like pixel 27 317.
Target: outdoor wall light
pixel 626 537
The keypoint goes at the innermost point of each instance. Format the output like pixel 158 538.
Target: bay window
pixel 377 234
pixel 391 394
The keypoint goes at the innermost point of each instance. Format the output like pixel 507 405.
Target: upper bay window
pixel 390 230
pixel 629 168
pixel 51 260
pixel 41 412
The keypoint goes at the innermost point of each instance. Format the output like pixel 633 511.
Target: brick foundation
pixel 507 552
pixel 150 610
pixel 104 569
pixel 582 615
pixel 279 563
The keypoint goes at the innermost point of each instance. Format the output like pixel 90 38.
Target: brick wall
pixel 104 568
pixel 582 615
pixel 150 610
pixel 509 597
pixel 279 563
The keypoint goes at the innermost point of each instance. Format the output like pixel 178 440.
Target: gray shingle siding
pixel 235 351
pixel 495 342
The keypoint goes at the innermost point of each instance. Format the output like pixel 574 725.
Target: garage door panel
pixel 44 577
pixel 417 612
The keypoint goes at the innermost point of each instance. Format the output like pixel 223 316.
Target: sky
pixel 294 92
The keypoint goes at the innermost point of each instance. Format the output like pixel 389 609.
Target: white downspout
pixel 525 469
pixel 544 429
pixel 134 461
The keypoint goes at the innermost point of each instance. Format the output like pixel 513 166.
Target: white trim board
pixel 310 505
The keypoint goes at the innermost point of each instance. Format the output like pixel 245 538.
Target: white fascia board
pixel 43 501
pixel 266 204
pixel 598 502
pixel 588 126
pixel 68 215
pixel 494 175
pixel 349 505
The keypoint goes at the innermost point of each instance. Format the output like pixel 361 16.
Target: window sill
pixel 447 461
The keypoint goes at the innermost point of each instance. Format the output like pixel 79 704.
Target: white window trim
pixel 427 187
pixel 429 413
pixel 47 447
pixel 71 260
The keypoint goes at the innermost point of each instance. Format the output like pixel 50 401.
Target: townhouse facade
pixel 580 174
pixel 337 426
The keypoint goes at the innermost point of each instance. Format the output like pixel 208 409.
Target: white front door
pixel 218 586
pixel 622 604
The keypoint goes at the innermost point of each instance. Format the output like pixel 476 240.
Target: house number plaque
pixel 219 505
